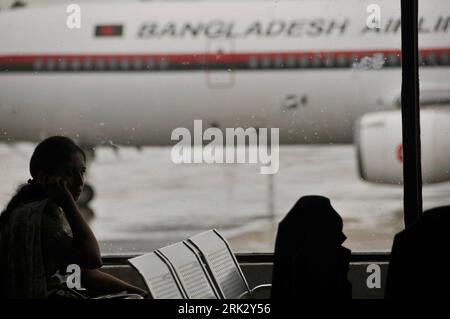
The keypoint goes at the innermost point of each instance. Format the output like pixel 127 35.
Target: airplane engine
pixel 378 139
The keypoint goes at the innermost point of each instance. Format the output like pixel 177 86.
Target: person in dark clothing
pixel 418 265
pixel 310 261
pixel 42 231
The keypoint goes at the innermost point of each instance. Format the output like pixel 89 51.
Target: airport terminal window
pixel 434 73
pixel 313 69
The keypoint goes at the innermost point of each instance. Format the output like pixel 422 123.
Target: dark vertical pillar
pixel 412 172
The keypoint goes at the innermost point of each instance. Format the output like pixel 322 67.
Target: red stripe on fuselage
pixel 214 58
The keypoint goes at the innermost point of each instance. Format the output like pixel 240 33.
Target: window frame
pixel 412 171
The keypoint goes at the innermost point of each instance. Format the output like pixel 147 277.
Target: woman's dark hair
pixel 48 157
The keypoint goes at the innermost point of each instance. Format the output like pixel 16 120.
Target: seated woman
pixel 309 260
pixel 42 231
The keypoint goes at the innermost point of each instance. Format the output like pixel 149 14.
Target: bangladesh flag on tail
pixel 108 30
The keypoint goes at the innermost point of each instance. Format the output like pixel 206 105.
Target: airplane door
pixel 219 73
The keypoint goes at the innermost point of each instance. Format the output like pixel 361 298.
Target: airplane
pixel 129 73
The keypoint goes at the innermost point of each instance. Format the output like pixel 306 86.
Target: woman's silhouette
pixel 42 231
pixel 309 259
pixel 418 264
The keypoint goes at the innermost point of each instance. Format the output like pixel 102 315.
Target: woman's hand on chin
pixel 58 191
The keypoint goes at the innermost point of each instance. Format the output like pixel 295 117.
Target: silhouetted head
pixel 435 222
pixel 316 221
pixel 438 214
pixel 309 246
pixel 59 156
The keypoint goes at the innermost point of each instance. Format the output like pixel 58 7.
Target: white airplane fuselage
pixel 133 72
